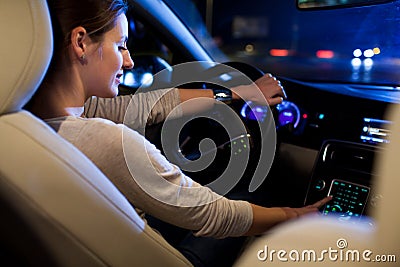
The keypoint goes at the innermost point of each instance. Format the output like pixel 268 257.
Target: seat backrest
pixel 57 208
pixel 388 187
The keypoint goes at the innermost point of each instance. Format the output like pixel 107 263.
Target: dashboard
pixel 329 136
pixel 334 111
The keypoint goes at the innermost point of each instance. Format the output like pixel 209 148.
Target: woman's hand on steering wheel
pixel 267 88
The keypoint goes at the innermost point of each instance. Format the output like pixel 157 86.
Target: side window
pixel 150 56
pixel 142 41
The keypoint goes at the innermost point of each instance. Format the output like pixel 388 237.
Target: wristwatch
pixel 222 94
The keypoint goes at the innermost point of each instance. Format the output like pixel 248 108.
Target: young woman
pixel 90 55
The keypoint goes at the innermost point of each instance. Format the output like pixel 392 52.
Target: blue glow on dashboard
pixel 288 112
pixel 254 112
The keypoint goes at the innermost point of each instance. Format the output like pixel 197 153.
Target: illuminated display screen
pixel 375 131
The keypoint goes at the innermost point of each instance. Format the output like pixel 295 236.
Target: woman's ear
pixel 79 41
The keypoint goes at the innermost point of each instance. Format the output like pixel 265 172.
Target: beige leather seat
pixel 56 207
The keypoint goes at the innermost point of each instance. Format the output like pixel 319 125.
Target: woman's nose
pixel 128 62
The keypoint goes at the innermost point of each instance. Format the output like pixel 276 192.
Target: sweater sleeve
pixel 136 111
pixel 151 183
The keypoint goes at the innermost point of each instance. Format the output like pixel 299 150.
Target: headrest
pixel 25 51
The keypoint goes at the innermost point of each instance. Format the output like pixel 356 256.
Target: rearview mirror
pixel 323 4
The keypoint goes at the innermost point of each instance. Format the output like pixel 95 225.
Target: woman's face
pixel 107 60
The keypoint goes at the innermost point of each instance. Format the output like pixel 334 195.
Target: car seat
pixel 56 207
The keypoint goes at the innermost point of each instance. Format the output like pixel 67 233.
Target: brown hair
pixel 96 16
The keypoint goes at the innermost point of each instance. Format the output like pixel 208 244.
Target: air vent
pixel 349 156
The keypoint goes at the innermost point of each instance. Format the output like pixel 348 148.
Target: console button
pixel 320 185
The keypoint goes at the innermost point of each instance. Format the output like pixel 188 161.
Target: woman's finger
pixel 322 202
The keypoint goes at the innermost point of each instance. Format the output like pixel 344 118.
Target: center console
pixel 344 170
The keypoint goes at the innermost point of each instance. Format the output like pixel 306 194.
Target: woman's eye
pixel 122 48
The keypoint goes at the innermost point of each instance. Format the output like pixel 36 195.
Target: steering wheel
pixel 250 71
pixel 224 148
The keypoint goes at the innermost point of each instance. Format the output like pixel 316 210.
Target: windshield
pixel 350 45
